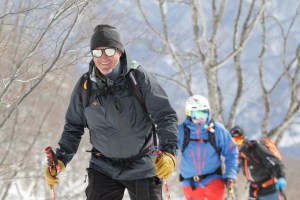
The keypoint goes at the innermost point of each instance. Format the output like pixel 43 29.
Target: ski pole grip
pixel 50 156
pixel 159 154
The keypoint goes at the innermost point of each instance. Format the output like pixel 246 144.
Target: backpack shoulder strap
pixel 186 137
pixel 85 88
pixel 212 137
pixel 252 148
pixel 136 90
pixel 135 87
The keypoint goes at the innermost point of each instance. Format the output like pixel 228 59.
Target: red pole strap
pixel 50 158
pixel 158 153
pixel 53 194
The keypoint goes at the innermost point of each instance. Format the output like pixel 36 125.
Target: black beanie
pixel 106 36
pixel 237 131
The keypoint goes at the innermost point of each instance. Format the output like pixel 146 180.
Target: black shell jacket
pixel 118 123
pixel 258 163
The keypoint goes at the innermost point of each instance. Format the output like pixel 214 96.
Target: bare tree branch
pixel 265 94
pixel 237 61
pixel 44 74
pixel 249 30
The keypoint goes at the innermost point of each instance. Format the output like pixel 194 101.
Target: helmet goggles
pixel 199 114
pixel 238 139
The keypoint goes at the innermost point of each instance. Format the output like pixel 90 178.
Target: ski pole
pixel 53 164
pixel 53 193
pixel 283 194
pixel 231 193
pixel 167 189
pixel 164 180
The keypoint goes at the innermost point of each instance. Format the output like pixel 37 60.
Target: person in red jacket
pixel 261 167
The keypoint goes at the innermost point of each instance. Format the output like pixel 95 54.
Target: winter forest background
pixel 244 55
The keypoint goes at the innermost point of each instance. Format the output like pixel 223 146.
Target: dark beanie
pixel 106 36
pixel 237 131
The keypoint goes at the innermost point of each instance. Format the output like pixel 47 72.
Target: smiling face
pixel 105 63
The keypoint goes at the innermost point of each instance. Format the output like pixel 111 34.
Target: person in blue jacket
pixel 202 141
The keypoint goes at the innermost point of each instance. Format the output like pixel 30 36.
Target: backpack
pixel 211 137
pixel 267 142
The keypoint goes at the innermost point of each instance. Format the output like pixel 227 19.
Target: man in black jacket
pixel 120 126
pixel 261 167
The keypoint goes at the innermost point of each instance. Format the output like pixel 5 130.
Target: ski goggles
pixel 238 140
pixel 199 114
pixel 108 52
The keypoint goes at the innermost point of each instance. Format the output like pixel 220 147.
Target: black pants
pixel 103 187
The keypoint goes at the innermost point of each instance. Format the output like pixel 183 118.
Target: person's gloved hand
pixel 280 184
pixel 164 165
pixel 51 176
pixel 229 182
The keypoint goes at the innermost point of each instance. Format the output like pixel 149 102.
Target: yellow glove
pixel 164 165
pixel 51 176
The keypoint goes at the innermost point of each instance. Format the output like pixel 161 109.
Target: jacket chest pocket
pixel 124 111
pixel 129 114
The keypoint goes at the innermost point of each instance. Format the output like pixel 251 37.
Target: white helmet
pixel 196 102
